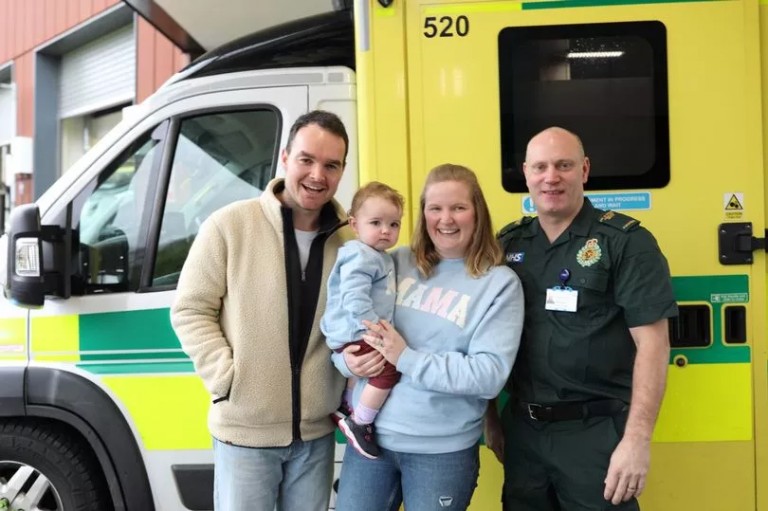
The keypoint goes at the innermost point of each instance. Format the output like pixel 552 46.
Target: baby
pixel 362 287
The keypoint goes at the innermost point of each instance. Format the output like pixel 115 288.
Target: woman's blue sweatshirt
pixel 462 335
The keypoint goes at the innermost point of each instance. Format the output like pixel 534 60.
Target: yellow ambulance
pixel 100 408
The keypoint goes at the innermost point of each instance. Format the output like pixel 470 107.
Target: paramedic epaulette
pixel 618 221
pixel 515 225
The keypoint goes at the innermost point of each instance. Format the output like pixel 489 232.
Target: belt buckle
pixel 532 410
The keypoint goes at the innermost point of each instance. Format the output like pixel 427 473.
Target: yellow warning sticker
pixel 734 201
pixel 733 205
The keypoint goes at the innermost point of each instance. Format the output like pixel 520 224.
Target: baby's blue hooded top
pixel 361 286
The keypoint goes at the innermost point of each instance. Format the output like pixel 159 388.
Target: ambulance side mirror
pixel 23 278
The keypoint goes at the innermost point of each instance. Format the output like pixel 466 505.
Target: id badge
pixel 562 299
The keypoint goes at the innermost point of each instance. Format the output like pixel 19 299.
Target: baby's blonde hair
pixel 376 189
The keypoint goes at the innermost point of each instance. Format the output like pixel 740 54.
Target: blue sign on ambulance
pixel 622 201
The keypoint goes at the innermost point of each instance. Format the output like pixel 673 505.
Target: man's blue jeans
pixel 423 482
pixel 293 478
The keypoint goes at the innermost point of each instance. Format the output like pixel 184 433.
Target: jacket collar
pixel 332 216
pixel 583 221
pixel 580 225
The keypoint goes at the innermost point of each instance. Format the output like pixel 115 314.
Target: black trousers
pixel 559 466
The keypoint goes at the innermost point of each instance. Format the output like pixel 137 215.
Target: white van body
pixel 99 365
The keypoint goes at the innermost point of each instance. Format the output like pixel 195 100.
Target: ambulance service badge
pixel 589 254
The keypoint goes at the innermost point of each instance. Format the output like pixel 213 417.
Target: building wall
pixel 157 59
pixel 25 25
pixel 28 23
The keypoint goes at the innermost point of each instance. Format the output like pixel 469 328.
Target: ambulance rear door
pixel 665 96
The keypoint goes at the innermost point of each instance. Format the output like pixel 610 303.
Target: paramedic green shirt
pixel 622 280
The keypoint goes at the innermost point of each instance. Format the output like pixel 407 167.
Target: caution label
pixel 733 205
pixel 734 202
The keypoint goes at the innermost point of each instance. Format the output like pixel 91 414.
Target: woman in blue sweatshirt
pixel 459 314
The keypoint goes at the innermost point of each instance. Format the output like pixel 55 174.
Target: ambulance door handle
pixel 691 328
pixel 736 243
pixel 735 324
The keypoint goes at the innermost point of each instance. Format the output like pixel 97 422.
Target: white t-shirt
pixel 304 241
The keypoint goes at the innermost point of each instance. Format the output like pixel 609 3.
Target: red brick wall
pixel 24 75
pixel 25 24
pixel 157 59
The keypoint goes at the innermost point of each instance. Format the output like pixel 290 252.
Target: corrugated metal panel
pixel 98 75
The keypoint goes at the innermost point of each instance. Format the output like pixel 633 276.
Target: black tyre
pixel 47 467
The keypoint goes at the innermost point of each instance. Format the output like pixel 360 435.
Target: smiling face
pixel 555 172
pixel 313 169
pixel 449 215
pixel 377 223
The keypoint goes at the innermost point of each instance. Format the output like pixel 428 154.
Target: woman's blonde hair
pixel 483 252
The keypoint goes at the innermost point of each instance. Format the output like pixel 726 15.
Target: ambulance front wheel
pixel 47 467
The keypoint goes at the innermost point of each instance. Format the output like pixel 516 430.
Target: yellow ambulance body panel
pixel 709 450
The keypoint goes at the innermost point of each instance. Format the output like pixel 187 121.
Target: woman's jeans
pixel 423 482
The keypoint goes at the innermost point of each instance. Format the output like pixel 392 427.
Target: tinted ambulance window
pixel 219 158
pixel 605 82
pixel 108 218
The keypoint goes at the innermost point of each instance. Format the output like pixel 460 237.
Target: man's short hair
pixel 326 120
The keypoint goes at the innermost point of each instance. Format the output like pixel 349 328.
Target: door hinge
pixel 736 243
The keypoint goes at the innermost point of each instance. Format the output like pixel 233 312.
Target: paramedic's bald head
pixel 555 171
pixel 556 135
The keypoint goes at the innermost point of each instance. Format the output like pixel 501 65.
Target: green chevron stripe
pixel 564 4
pixel 128 330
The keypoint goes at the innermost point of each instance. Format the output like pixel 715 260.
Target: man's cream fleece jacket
pixel 231 315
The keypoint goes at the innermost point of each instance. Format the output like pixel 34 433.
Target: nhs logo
pixel 515 257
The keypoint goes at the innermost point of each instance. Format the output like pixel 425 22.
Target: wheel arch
pixel 66 397
pixel 12 391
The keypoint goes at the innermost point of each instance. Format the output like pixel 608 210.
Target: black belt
pixel 573 411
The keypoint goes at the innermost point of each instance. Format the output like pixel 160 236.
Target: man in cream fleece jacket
pixel 249 300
